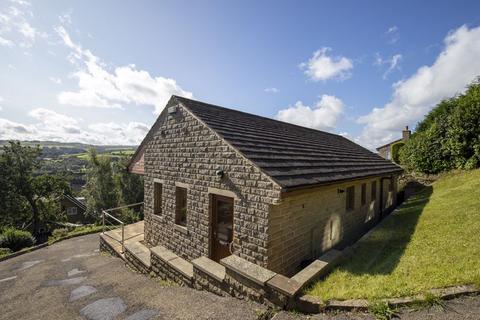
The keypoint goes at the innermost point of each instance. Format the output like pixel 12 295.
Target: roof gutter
pixel 286 190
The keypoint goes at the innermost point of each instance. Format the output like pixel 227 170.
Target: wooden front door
pixel 221 226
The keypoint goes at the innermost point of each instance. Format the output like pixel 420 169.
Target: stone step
pixel 210 267
pixel 139 251
pixel 174 261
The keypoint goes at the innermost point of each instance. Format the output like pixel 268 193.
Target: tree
pixel 100 192
pixel 449 136
pixel 19 166
pixel 129 186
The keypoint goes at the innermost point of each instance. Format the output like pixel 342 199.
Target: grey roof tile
pixel 292 155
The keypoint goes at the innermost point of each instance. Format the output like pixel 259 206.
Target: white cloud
pixel 2 99
pixel 392 29
pixel 15 24
pixel 55 80
pixel 323 116
pixel 98 87
pixel 454 68
pixel 392 35
pixel 5 42
pixel 120 133
pixel 52 118
pixel 271 90
pixel 393 63
pixel 13 130
pixel 54 126
pixel 21 2
pixel 66 18
pixel 323 67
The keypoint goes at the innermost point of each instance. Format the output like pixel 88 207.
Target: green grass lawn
pixel 432 241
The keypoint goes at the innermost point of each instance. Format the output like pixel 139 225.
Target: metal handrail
pixel 123 207
pixel 106 215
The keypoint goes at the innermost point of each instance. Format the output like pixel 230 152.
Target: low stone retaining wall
pixel 134 260
pixel 209 276
pixel 237 277
pixel 311 304
pixel 169 266
pixel 105 247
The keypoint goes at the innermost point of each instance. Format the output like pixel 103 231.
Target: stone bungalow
pixel 221 182
pixel 385 151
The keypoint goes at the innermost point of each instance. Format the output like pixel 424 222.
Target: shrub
pixel 58 233
pixel 127 215
pixel 449 136
pixel 15 239
pixel 5 251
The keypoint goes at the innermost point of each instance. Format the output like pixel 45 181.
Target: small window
pixel 181 206
pixel 364 194
pixel 350 205
pixel 71 211
pixel 373 196
pixel 157 198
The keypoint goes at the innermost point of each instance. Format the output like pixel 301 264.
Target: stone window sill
pixel 180 228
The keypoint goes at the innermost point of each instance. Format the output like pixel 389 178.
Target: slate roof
pixel 293 156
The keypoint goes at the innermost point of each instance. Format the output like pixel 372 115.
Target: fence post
pixel 123 235
pixel 103 221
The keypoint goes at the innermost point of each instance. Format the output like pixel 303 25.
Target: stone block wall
pixel 242 287
pixel 203 281
pixel 166 272
pixel 105 247
pixel 135 263
pixel 184 150
pixel 306 224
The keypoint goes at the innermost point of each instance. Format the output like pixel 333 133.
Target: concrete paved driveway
pixel 72 280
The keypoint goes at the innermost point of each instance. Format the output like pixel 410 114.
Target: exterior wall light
pixel 219 174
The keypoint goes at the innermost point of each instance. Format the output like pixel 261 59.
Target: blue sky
pixel 100 71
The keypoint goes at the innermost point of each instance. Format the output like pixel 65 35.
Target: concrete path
pixel 72 280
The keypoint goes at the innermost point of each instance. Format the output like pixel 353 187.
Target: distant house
pixel 74 208
pixel 221 182
pixel 385 151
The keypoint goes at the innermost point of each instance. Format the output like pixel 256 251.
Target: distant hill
pixel 72 157
pixel 74 145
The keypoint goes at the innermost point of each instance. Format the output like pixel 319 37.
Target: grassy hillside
pixel 432 241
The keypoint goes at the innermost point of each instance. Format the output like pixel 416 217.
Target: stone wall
pixel 183 150
pixel 203 281
pixel 105 247
pixel 165 271
pixel 306 224
pixel 135 263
